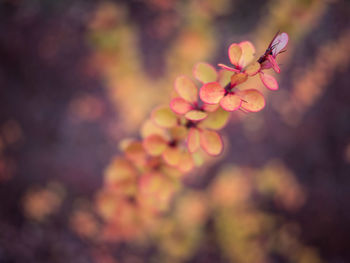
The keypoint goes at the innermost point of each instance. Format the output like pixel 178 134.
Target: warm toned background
pixel 78 76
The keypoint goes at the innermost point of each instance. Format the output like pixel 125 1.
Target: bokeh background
pixel 77 77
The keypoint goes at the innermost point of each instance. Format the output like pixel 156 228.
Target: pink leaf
pixel 229 68
pixel 180 106
pixel 269 81
pixel 274 64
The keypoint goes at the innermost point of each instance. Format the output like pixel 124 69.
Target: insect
pixel 276 46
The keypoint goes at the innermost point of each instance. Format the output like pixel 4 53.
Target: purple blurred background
pixel 44 66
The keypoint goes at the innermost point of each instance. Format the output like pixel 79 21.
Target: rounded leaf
pixel 196 115
pixel 186 163
pixel 248 52
pixel 211 93
pixel 238 78
pixel 164 117
pixel 252 100
pixel 211 142
pixel 224 77
pixel 234 53
pixel 274 64
pixel 172 155
pixel 193 140
pixel 231 102
pixel 223 66
pixel 198 158
pixel 269 81
pixel 107 202
pixel 180 106
pixel 178 132
pixel 216 120
pixel 210 107
pixel 155 191
pixel 119 171
pixel 205 72
pixel 186 89
pixel 149 127
pixel 253 68
pixel 135 152
pixel 154 145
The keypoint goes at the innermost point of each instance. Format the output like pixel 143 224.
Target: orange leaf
pixel 154 144
pixel 238 78
pixel 205 72
pixel 234 53
pixel 252 100
pixel 193 140
pixel 155 191
pixel 172 155
pixel 216 120
pixel 164 117
pixel 149 127
pixel 180 106
pixel 120 170
pixel 253 69
pixel 196 115
pixel 178 132
pixel 248 52
pixel 186 162
pixel 224 77
pixel 211 142
pixel 135 152
pixel 187 90
pixel 210 107
pixel 231 102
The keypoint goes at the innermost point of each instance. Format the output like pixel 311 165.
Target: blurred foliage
pixel 235 204
pixel 38 203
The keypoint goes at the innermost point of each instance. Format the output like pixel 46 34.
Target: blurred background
pixel 77 77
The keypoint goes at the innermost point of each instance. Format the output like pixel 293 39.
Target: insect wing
pixel 272 41
pixel 279 43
